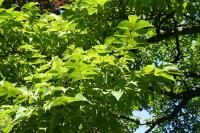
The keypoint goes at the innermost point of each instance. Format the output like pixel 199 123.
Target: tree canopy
pixel 88 69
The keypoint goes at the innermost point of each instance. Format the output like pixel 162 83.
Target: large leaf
pixel 143 24
pixel 163 73
pixel 127 25
pixel 8 89
pixel 133 19
pixel 63 100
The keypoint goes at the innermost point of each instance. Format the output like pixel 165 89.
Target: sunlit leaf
pixel 117 94
pixel 148 69
pixel 63 100
pixel 1 1
pixel 8 89
pixel 163 73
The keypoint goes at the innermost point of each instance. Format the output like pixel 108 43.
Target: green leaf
pixel 122 33
pixel 133 18
pixel 27 47
pixel 4 15
pixel 63 100
pixel 101 2
pixel 1 2
pixel 172 69
pixel 6 120
pixel 143 24
pixel 57 63
pixel 95 2
pixel 163 73
pixel 8 89
pixel 20 99
pixel 35 55
pixel 125 25
pixel 31 6
pixel 117 94
pixel 81 97
pixel 43 67
pixel 22 113
pixel 148 69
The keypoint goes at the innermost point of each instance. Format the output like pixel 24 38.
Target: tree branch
pixel 171 33
pixel 171 94
pixel 192 74
pixel 127 118
pixel 185 96
pixel 196 20
pixel 182 95
pixel 177 57
pixel 173 114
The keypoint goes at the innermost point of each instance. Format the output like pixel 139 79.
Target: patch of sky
pixel 143 115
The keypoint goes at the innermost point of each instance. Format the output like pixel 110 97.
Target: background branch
pixel 173 114
pixel 194 19
pixel 185 96
pixel 171 33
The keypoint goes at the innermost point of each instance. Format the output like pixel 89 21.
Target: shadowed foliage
pixel 85 66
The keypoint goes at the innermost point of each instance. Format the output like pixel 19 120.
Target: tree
pixel 45 5
pixel 90 68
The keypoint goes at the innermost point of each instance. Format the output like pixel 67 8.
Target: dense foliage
pixel 90 68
